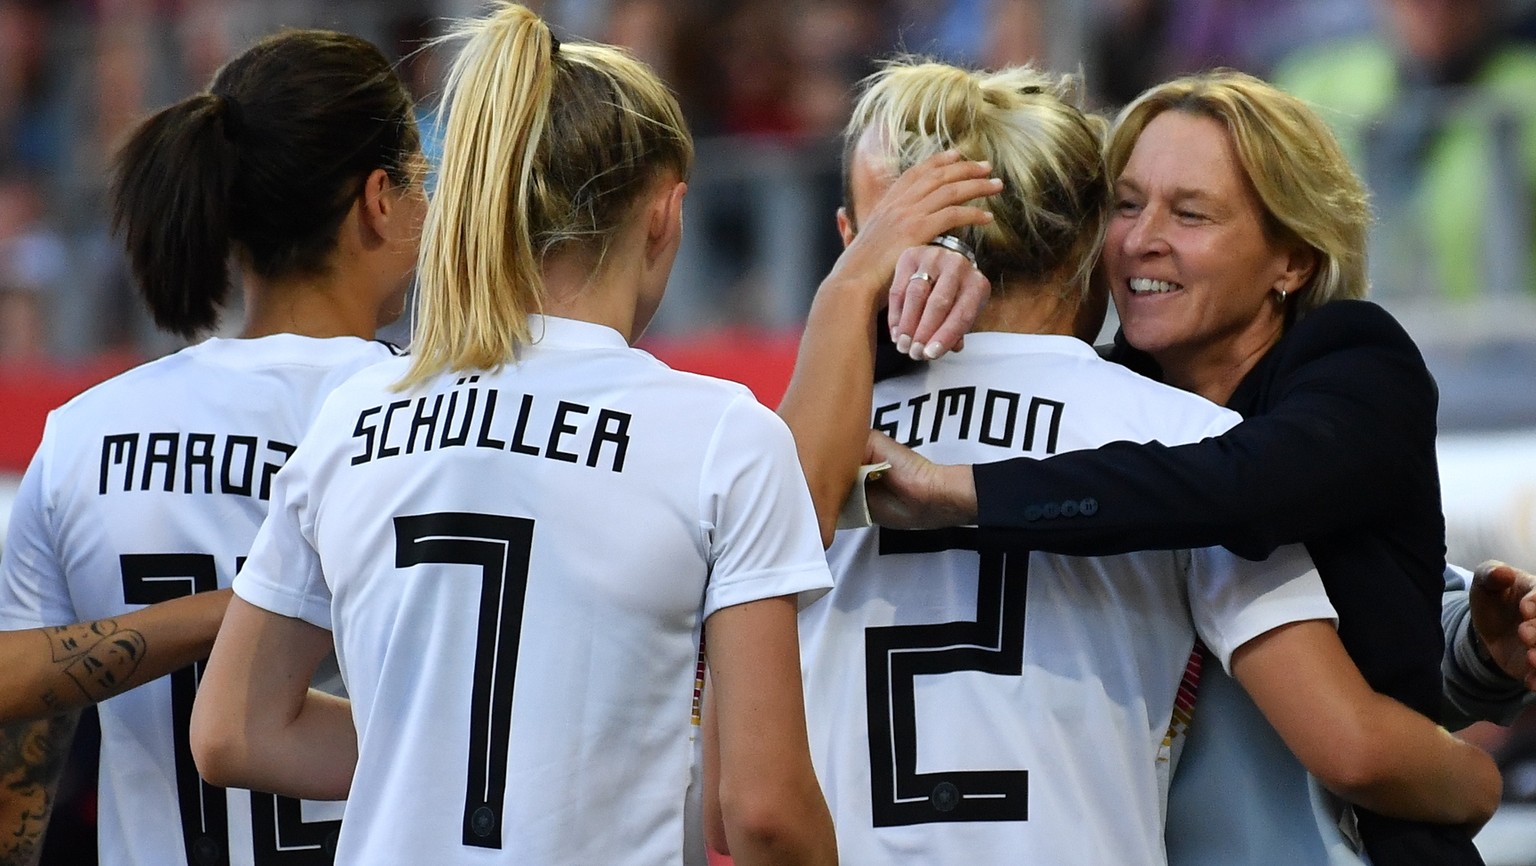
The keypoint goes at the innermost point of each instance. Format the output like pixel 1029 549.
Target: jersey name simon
pixel 430 421
pixel 950 413
pixel 205 463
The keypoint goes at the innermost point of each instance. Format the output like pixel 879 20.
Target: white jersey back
pixel 150 486
pixel 516 566
pixel 970 704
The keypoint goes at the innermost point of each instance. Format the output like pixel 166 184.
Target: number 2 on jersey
pixel 499 546
pixel 896 655
pixel 280 836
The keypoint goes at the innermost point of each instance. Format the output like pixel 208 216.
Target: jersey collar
pixel 554 331
pixel 990 342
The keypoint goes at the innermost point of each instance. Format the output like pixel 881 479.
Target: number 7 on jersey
pixel 499 545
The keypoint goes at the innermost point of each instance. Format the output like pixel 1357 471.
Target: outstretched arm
pixel 257 724
pixel 827 403
pixel 916 493
pixel 50 670
pixel 1363 746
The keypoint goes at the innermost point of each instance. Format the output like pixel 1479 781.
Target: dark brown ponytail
pixel 264 165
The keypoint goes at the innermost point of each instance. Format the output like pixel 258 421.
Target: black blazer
pixel 1337 451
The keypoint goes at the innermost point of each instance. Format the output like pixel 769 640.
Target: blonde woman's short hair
pixel 1050 214
pixel 1308 191
pixel 546 148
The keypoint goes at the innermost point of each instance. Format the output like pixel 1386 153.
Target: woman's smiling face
pixel 1191 267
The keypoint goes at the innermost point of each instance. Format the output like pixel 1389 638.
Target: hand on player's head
pixel 935 297
pixel 925 201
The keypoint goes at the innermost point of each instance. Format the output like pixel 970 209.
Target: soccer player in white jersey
pixel 517 536
pixel 301 160
pixel 973 703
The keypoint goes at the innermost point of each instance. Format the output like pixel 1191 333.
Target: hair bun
pixel 232 115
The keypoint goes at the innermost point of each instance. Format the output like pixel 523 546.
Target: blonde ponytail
pixel 544 149
pixel 475 241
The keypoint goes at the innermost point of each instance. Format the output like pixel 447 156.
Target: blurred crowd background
pixel 1436 100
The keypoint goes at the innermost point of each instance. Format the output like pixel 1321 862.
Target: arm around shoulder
pixel 1342 418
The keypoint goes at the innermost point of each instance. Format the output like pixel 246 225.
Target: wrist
pixel 959 492
pixel 1478 664
pixel 1480 650
pixel 853 288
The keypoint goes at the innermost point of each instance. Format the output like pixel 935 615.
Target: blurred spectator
pixel 990 33
pixel 758 65
pixel 1138 43
pixel 767 98
pixel 1438 109
pixel 647 28
pixel 30 120
pixel 835 44
pixel 32 263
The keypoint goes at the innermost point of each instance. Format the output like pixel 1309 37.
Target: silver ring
pixel 920 275
pixel 954 244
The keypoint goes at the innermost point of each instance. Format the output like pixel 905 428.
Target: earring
pixel 1280 295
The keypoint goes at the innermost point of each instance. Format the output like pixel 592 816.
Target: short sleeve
pixel 33 591
pixel 761 527
pixel 282 573
pixel 1235 600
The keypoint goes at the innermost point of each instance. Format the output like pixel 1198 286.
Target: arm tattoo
pixel 99 657
pixel 31 760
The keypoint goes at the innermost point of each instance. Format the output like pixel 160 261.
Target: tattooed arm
pixel 44 671
pixel 31 760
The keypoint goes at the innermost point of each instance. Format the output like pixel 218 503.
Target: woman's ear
pixel 845 226
pixel 1300 265
pixel 664 225
pixel 378 202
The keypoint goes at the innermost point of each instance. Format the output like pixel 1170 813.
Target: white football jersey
pixel 150 486
pixel 971 704
pixel 516 566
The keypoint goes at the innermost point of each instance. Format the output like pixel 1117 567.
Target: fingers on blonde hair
pixel 1028 124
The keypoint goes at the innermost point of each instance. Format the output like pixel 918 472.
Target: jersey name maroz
pixel 516 566
pixel 150 486
pixel 972 703
pixel 186 462
pixel 468 416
